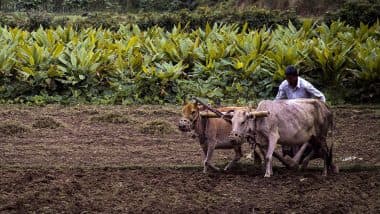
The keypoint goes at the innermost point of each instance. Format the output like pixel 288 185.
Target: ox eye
pixel 242 123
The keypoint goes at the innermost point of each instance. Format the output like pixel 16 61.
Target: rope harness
pixel 251 137
pixel 202 135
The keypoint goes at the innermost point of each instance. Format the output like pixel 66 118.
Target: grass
pixel 11 128
pixel 157 127
pixel 114 118
pixel 46 122
pixel 149 110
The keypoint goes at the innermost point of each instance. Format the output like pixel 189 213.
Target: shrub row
pixel 352 13
pixel 228 63
pixel 356 12
pixel 70 6
pixel 256 18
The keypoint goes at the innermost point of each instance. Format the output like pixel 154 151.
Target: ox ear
pixel 194 103
pixel 184 102
pixel 228 115
pixel 251 115
pixel 202 107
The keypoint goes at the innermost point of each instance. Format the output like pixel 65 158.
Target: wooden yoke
pixel 209 114
pixel 215 111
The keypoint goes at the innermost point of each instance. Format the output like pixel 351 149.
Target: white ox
pixel 288 122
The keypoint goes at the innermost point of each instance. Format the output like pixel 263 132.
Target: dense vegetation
pixel 155 51
pixel 166 13
pixel 304 7
pixel 64 6
pixel 255 18
pixel 356 12
pixel 228 63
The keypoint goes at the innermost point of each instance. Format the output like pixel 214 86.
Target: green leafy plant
pixel 221 62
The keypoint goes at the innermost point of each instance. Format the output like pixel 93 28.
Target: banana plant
pixel 80 64
pixel 13 35
pixel 7 60
pixel 367 61
pixel 157 83
pixel 228 62
pixel 331 59
pixel 329 33
pixel 34 67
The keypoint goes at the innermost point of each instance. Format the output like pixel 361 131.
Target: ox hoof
pixel 304 166
pixel 257 162
pixel 267 175
pixel 290 163
pixel 334 169
pixel 249 156
pixel 229 166
pixel 216 169
pixel 213 168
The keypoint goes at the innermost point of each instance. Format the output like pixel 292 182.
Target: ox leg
pixel 238 155
pixel 324 152
pixel 325 159
pixel 306 160
pixel 258 156
pixel 207 163
pixel 312 152
pixel 300 152
pixel 268 158
pixel 334 168
pixel 324 173
pixel 251 153
pixel 205 150
pixel 287 161
pixel 329 166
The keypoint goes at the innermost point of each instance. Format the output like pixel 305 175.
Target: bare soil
pixel 118 159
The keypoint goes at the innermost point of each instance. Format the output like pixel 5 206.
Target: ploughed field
pixel 118 159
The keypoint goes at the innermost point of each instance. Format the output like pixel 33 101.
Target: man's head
pixel 291 75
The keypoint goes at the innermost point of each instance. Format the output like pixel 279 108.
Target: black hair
pixel 291 71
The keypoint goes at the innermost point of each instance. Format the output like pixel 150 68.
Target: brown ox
pixel 212 133
pixel 289 122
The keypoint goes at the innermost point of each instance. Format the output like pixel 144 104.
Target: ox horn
pixel 258 114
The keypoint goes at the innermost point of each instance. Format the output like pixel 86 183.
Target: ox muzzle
pixel 236 136
pixel 184 125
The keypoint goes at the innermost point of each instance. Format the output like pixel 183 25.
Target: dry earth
pixel 118 159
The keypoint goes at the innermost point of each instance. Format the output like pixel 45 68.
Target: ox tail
pixel 330 156
pixel 330 150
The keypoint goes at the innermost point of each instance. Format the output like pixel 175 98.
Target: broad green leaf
pixel 58 50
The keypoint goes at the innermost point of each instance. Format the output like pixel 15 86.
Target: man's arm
pixel 315 92
pixel 281 93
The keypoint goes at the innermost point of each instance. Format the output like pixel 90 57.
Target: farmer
pixel 292 88
pixel 296 87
